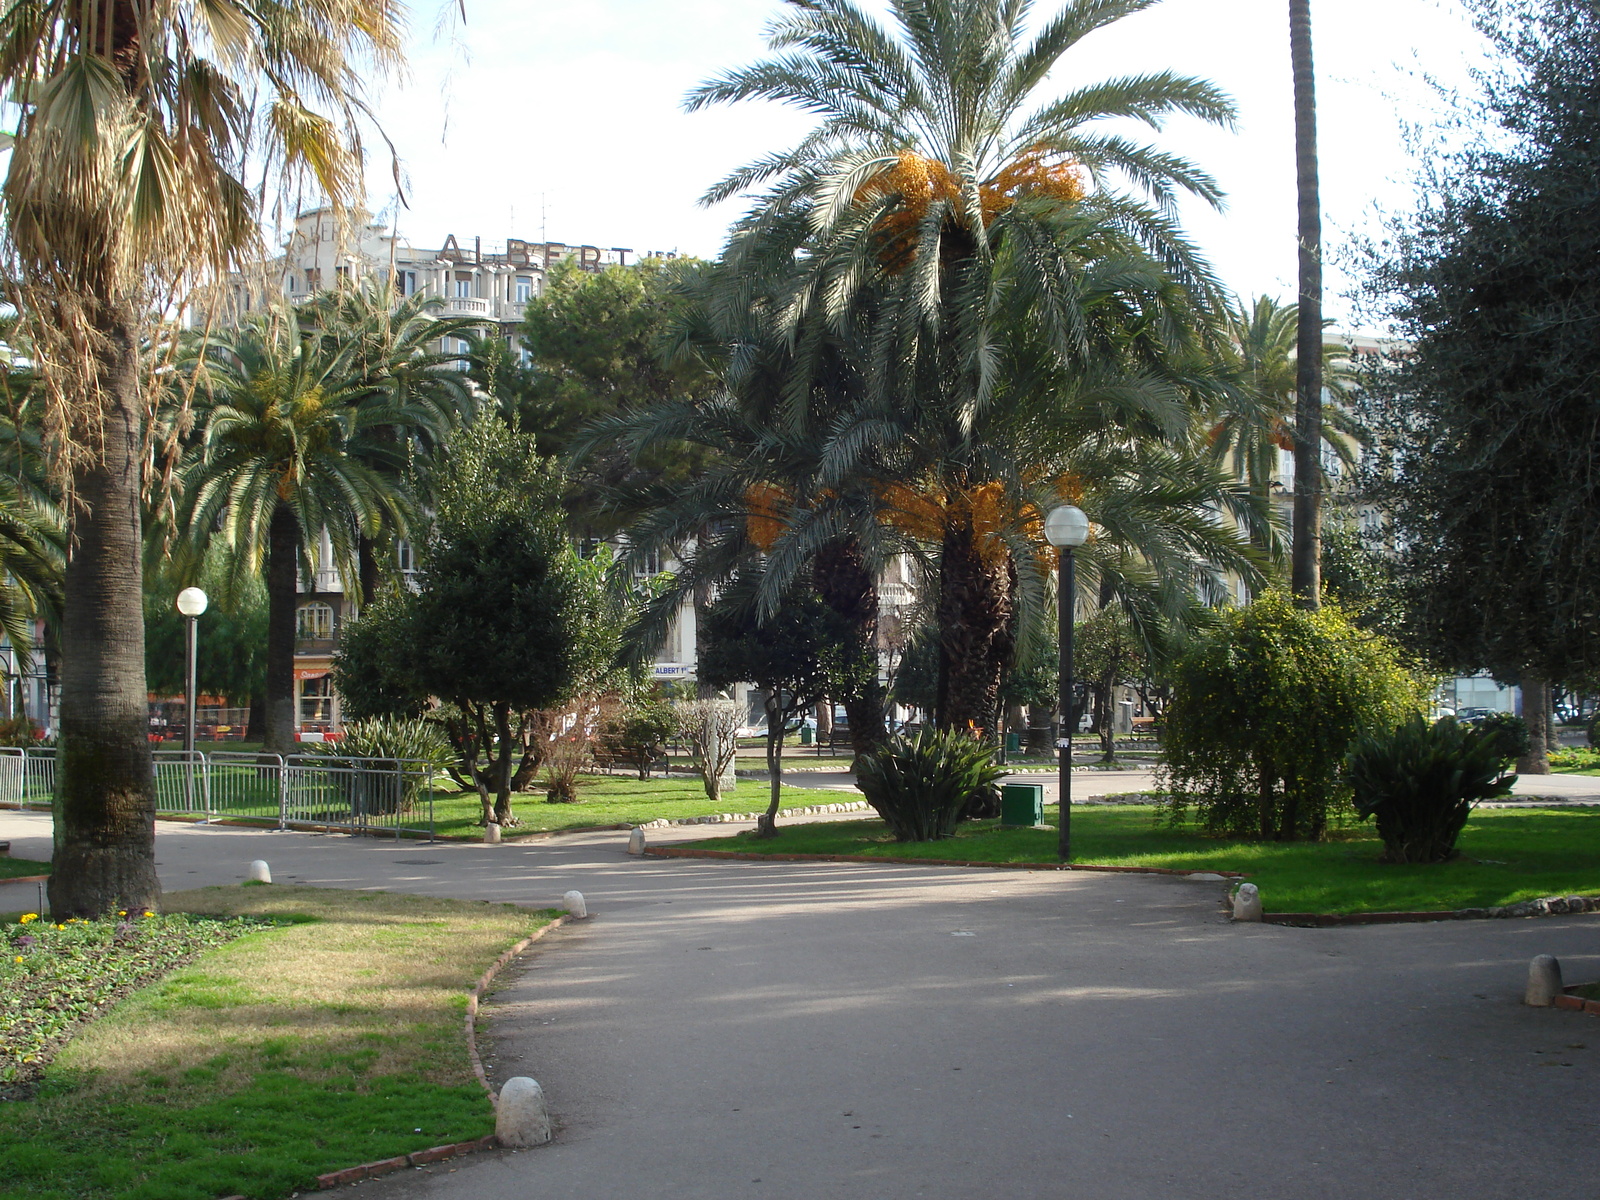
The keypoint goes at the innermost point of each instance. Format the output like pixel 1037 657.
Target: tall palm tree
pixel 986 234
pixel 1305 580
pixel 294 444
pixel 127 184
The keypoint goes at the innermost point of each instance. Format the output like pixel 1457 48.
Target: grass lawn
pixel 325 1041
pixel 619 800
pixel 14 868
pixel 1507 855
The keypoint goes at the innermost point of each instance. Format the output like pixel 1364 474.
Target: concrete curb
pixel 25 879
pixel 748 856
pixel 1572 1003
pixel 419 1158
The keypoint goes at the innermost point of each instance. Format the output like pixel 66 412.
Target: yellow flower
pixel 122 912
pixel 26 917
pixel 148 913
pixel 19 958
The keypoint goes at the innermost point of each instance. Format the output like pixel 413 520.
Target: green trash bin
pixel 805 735
pixel 1022 804
pixel 1013 743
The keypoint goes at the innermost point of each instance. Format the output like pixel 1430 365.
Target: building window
pixel 316 701
pixel 313 279
pixel 523 289
pixel 463 286
pixel 314 622
pixel 407 282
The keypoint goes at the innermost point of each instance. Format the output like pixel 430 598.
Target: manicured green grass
pixel 1507 855
pixel 621 800
pixel 331 1039
pixel 17 868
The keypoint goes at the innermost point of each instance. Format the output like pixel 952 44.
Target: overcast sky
pixel 564 121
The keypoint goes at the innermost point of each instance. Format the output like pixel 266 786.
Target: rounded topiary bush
pixel 1266 705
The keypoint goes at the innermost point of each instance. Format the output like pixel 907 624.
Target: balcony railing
pixel 468 306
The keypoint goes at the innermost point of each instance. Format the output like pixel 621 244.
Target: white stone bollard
pixel 1544 981
pixel 491 833
pixel 636 841
pixel 260 872
pixel 1247 903
pixel 521 1119
pixel 573 901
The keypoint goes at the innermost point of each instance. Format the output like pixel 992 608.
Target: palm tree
pixel 393 346
pixel 294 443
pixel 1256 414
pixel 126 186
pixel 1306 572
pixel 1005 277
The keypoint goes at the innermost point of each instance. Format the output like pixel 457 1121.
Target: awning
pixel 311 673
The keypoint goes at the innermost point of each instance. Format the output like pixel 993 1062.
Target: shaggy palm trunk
pixel 975 641
pixel 1306 571
pixel 1535 712
pixel 283 596
pixel 104 859
pixel 842 579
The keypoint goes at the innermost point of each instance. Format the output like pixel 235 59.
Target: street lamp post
pixel 191 603
pixel 1066 528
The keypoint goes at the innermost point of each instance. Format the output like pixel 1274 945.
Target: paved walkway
pixel 803 1032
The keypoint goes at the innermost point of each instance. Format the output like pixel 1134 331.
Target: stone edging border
pixel 1576 1003
pixel 482 985
pixel 418 1158
pixel 748 856
pixel 25 879
pixel 1547 906
pixel 810 810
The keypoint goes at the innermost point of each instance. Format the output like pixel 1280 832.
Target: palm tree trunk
pixel 105 842
pixel 283 595
pixel 1306 569
pixel 842 579
pixel 975 641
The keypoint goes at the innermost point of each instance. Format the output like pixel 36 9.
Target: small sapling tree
pixel 800 653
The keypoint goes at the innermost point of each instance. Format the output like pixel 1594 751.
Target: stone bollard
pixel 521 1119
pixel 573 901
pixel 491 833
pixel 260 872
pixel 1544 981
pixel 636 841
pixel 1247 903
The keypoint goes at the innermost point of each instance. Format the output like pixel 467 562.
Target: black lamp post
pixel 1066 528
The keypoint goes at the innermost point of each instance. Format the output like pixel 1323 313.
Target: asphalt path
pixel 731 1029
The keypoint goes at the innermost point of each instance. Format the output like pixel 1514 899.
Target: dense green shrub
pixel 1508 732
pixel 638 734
pixel 1421 782
pixel 921 786
pixel 1265 707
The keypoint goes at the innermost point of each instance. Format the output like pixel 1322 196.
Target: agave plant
pixel 922 786
pixel 1421 782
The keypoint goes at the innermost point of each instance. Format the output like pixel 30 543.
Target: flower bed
pixel 53 976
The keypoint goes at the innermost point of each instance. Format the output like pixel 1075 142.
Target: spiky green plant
pixel 1421 782
pixel 921 786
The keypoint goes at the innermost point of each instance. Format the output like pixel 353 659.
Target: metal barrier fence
pixel 365 795
pixel 27 776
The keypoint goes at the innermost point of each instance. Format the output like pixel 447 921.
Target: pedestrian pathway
pixel 722 1030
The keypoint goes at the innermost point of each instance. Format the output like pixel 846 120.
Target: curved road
pixel 804 1031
